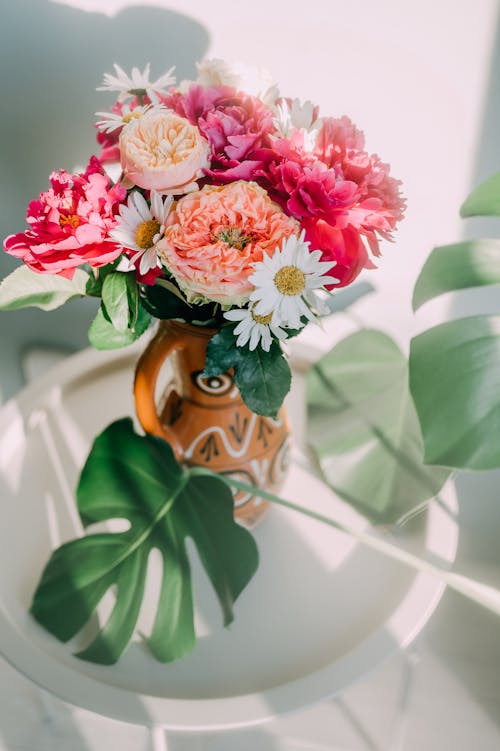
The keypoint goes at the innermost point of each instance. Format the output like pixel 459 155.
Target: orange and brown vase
pixel 205 420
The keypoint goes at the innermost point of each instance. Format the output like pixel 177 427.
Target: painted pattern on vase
pixel 205 419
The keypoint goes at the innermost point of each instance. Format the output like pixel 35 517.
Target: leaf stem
pixel 482 594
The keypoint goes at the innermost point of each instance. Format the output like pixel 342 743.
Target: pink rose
pixel 162 151
pixel 69 224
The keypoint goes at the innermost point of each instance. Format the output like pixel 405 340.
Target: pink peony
pixel 315 191
pixel 69 224
pixel 337 138
pixel 339 192
pixel 379 205
pixel 216 235
pixel 234 124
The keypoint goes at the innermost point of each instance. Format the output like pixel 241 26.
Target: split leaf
pixel 364 430
pixel 136 478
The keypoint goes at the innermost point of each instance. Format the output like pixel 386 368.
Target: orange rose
pixel 216 235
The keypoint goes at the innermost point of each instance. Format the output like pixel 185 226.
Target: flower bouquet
pixel 229 213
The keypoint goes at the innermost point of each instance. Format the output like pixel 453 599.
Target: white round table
pixel 321 612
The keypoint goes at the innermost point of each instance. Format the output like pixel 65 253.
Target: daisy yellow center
pixel 266 320
pixel 72 219
pixel 290 281
pixel 145 233
pixel 234 237
pixel 131 116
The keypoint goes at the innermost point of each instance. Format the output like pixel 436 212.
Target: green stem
pixel 480 593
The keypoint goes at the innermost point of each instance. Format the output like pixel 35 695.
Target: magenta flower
pixel 69 224
pixel 315 191
pixel 235 124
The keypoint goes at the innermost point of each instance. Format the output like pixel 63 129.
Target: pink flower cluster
pixel 69 224
pixel 338 192
pixel 211 132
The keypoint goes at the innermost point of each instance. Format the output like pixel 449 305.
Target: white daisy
pixel 137 84
pixel 141 226
pixel 111 121
pixel 285 283
pixel 297 116
pixel 253 328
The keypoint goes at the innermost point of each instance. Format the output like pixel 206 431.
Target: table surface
pixel 321 612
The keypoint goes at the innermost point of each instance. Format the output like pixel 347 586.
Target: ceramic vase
pixel 205 420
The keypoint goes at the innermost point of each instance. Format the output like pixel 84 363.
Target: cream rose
pixel 163 151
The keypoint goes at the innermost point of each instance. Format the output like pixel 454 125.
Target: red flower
pixel 344 246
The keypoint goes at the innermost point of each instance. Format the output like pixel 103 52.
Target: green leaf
pixel 164 304
pixel 222 352
pixel 450 267
pixel 133 299
pixel 364 430
pixel 103 335
pixel 96 279
pixel 120 299
pixel 484 200
pixel 263 378
pixel 455 382
pixel 24 288
pixel 136 478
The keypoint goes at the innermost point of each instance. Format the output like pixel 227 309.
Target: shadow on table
pixel 53 57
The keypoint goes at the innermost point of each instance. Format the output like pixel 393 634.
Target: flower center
pixel 234 237
pixel 290 280
pixel 131 116
pixel 145 233
pixel 266 320
pixel 72 219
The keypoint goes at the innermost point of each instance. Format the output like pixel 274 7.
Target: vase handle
pixel 163 344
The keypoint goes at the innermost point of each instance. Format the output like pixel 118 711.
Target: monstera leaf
pixel 364 430
pixel 484 200
pixel 474 263
pixel 455 382
pixel 136 478
pixel 455 366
